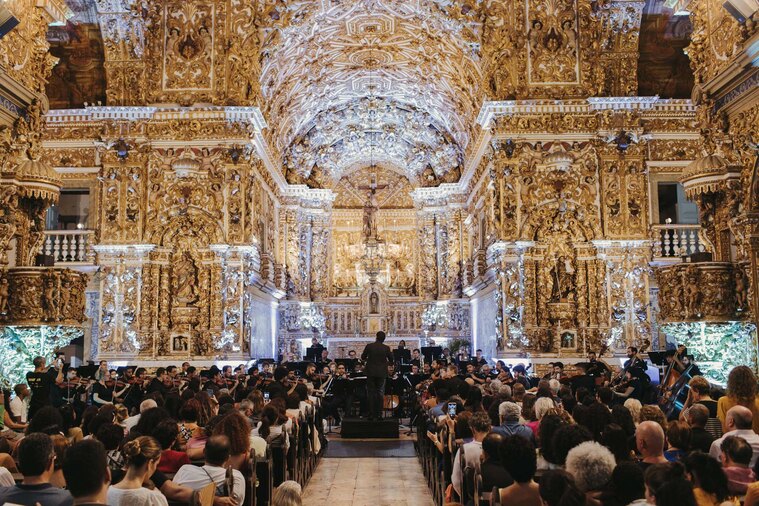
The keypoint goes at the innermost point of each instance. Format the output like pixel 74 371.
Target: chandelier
pixel 373 260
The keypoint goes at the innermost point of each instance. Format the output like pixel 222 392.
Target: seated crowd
pixel 550 445
pixel 173 449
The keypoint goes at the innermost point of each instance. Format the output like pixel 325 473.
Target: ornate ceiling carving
pixel 319 56
pixel 373 129
pixel 393 189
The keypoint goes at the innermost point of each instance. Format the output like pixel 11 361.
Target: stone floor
pixel 369 482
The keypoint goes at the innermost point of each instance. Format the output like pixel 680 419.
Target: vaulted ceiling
pixel 321 60
pixel 350 82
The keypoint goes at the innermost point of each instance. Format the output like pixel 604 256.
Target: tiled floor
pixel 368 482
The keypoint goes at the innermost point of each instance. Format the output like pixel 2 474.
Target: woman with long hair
pixel 666 485
pixel 741 390
pixel 141 456
pixel 708 479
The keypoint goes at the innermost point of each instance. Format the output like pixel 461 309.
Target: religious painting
pixel 663 66
pixel 79 76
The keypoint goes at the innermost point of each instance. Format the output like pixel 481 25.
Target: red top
pixel 172 460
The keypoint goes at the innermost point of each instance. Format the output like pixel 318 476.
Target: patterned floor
pixel 368 482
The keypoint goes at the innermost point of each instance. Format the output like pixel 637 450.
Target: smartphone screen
pixel 210 392
pixel 266 396
pixel 452 409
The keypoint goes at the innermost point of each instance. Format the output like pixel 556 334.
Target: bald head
pixel 649 437
pixel 739 418
pixel 147 404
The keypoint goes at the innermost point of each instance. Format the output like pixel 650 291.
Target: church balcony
pixel 671 242
pixel 70 248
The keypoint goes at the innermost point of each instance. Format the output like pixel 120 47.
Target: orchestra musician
pixel 478 360
pixel 340 395
pixel 520 376
pixel 157 384
pixel 556 372
pixel 41 381
pixel 631 386
pixel 633 360
pixel 416 358
pixel 325 357
pixel 446 358
pixel 103 394
pixel 597 368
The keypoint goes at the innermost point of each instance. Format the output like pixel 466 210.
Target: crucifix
pixel 371 207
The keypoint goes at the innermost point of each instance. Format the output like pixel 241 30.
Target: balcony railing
pixel 70 246
pixel 675 241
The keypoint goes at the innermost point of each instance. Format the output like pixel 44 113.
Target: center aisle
pixel 369 481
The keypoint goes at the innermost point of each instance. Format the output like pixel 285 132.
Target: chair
pixel 495 497
pixel 204 496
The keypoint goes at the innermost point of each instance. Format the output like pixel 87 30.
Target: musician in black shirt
pixel 416 357
pixel 41 382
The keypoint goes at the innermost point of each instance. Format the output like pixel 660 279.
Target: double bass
pixel 674 385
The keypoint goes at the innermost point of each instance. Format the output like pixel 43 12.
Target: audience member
pixel 649 439
pixel 145 405
pixel 166 434
pixel 218 454
pixel 591 465
pixel 494 474
pixel 700 439
pixel 741 391
pixel 557 488
pixel 509 413
pixel 36 462
pixel 708 479
pixel 634 406
pixel 518 456
pixel 736 457
pixel 738 422
pixel 141 456
pixel 566 438
pixel 626 487
pixel 678 441
pixel 87 475
pixel 479 424
pixel 287 494
pixel 666 485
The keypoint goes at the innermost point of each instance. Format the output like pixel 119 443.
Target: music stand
pixel 349 363
pixel 658 357
pixel 402 356
pixel 314 353
pixel 431 352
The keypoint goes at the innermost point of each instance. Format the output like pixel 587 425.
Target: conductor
pixel 377 357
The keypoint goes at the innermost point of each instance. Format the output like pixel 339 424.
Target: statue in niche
pixel 4 293
pixel 562 277
pixel 741 291
pixel 185 280
pixel 373 303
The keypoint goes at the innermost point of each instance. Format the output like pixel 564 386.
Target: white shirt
pixel 131 422
pixel 198 477
pixel 472 453
pixel 19 408
pixel 135 497
pixel 6 478
pixel 749 435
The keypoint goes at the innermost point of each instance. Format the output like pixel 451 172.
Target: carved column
pixel 428 268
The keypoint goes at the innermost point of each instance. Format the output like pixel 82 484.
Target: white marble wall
pixel 262 321
pixel 484 311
